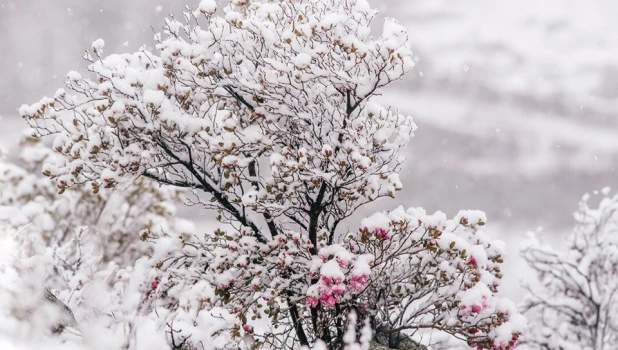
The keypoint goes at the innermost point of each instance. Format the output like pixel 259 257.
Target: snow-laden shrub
pixel 575 303
pixel 84 266
pixel 265 114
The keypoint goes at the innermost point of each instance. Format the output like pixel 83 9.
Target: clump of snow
pixel 302 60
pixel 208 6
pixel 74 76
pixel 98 46
pixel 155 97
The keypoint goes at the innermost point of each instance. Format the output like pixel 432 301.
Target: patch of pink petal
pixel 330 288
pixel 329 299
pixel 357 283
pixel 475 308
pixel 502 346
pixel 313 302
pixel 343 263
pixel 382 233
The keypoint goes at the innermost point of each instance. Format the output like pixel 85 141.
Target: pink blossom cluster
pixel 501 346
pixel 382 233
pixel 335 273
pixel 357 283
pixel 330 290
pixel 342 262
pixel 474 308
pixel 226 286
pixel 313 302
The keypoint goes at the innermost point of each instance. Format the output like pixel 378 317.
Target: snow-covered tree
pixel 78 254
pixel 116 218
pixel 575 305
pixel 266 115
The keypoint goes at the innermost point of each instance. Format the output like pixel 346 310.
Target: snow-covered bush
pixel 266 116
pixel 575 305
pixel 79 255
pixel 116 218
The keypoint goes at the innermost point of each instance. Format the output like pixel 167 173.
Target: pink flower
pixel 326 281
pixel 500 346
pixel 473 260
pixel 312 301
pixel 474 309
pixel 355 286
pixel 382 233
pixel 361 278
pixel 247 328
pixel 338 290
pixel 154 284
pixel 357 283
pixel 329 299
pixel 342 263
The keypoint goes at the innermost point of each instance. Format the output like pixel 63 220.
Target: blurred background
pixel 516 101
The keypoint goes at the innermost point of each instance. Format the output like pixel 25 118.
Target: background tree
pixel 576 304
pixel 82 255
pixel 266 115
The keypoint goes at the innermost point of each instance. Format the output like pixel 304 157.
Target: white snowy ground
pixel 516 100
